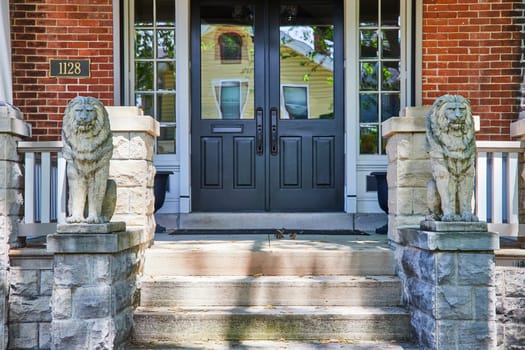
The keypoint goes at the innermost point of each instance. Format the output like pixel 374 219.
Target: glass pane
pixel 369 139
pixel 306 61
pixel 143 12
pixel 227 76
pixel 166 44
pixel 165 12
pixel 390 13
pixel 145 102
pixel 166 76
pixel 166 108
pixel 391 43
pixel 368 109
pixel 368 13
pixel 369 76
pixel 369 48
pixel 166 140
pixel 390 105
pixel 143 43
pixel 143 76
pixel 390 78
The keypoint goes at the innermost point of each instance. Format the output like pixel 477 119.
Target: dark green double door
pixel 267 105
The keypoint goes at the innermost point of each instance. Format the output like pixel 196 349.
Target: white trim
pixel 351 103
pixel 418 88
pixel 116 53
pixel 183 112
pixel 6 92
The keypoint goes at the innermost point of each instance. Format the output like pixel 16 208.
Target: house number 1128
pixel 69 68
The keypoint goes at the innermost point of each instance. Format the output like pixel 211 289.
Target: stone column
pixel 95 285
pixel 448 276
pixel 408 169
pixel 132 167
pixel 12 129
pixel 517 131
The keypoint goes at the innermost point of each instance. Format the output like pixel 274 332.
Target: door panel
pixel 267 123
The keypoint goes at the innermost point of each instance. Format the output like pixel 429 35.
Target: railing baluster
pixel 61 188
pixel 497 188
pixel 29 183
pixel 512 181
pixel 481 186
pixel 45 197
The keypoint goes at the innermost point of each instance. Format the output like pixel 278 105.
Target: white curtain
pixel 6 93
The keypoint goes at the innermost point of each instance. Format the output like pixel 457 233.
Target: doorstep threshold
pixel 272 221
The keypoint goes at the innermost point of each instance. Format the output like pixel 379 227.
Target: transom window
pixel 154 88
pixel 379 63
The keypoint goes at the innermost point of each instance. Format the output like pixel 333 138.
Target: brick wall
pixel 44 29
pixel 472 48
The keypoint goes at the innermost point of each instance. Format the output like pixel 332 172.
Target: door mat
pixel 279 233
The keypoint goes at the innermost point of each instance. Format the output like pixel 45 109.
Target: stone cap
pixel 94 243
pixel 396 125
pixel 7 110
pixel 108 227
pixel 449 241
pixel 517 128
pixel 15 126
pixel 131 119
pixel 453 226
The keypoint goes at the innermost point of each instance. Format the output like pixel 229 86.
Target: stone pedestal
pixel 408 170
pixel 132 166
pixel 95 285
pixel 517 131
pixel 448 275
pixel 12 130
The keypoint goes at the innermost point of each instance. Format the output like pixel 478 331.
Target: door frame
pixel 181 181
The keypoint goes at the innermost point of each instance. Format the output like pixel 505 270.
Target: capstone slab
pixel 108 227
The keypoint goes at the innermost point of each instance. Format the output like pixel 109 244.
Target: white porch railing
pixel 497 185
pixel 44 187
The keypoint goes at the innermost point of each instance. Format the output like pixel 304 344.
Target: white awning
pixel 6 93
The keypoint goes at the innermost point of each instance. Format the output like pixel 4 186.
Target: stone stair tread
pixel 327 344
pixel 258 255
pixel 311 279
pixel 347 311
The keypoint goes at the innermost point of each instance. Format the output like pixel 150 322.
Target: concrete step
pixel 254 255
pixel 326 344
pixel 162 324
pixel 194 291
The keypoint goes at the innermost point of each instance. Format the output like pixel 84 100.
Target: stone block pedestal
pixel 94 288
pixel 448 273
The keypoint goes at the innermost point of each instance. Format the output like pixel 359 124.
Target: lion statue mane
pixel 451 144
pixel 88 147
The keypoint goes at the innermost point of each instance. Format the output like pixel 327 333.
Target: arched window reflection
pixel 230 47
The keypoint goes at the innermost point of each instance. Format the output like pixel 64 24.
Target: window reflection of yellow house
pixel 299 68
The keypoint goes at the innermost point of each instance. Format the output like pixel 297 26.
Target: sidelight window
pixel 154 88
pixel 380 73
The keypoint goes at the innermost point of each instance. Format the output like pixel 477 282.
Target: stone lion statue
pixel 451 145
pixel 88 147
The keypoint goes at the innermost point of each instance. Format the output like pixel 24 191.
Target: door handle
pixel 274 133
pixel 259 131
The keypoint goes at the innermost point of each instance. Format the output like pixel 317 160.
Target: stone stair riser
pixel 182 326
pixel 269 263
pixel 261 291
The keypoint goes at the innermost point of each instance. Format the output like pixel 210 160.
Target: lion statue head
pixel 451 144
pixel 450 127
